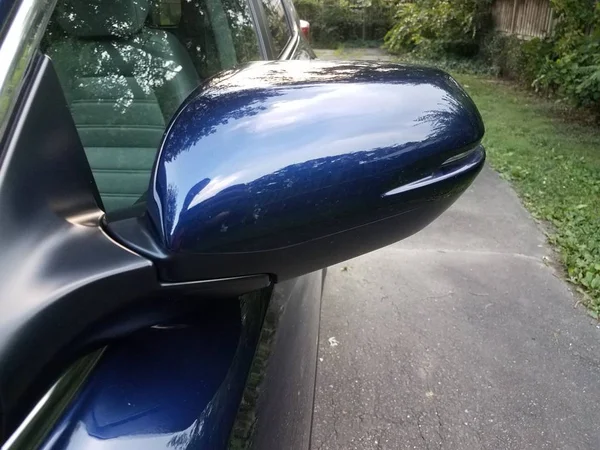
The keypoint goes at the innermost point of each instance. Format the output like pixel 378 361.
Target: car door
pixel 82 85
pixel 166 212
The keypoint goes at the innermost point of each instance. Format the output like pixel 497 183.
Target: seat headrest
pixel 102 18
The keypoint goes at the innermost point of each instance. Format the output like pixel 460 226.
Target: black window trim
pixel 261 29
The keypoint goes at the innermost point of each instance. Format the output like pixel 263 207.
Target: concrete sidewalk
pixel 461 337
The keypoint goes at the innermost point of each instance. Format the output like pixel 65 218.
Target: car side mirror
pixel 286 167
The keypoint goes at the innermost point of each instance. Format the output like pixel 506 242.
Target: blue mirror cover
pixel 273 155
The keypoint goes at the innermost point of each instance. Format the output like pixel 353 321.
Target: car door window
pixel 278 24
pixel 127 65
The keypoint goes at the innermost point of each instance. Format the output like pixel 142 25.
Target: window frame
pixel 261 29
pixel 18 48
pixel 294 22
pixel 290 45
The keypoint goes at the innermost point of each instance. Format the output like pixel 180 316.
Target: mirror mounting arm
pixel 136 233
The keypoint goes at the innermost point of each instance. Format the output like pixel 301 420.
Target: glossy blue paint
pixel 173 388
pixel 5 10
pixel 275 154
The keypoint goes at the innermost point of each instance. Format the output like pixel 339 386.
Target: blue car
pixel 175 176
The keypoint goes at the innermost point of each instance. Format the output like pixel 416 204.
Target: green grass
pixel 553 161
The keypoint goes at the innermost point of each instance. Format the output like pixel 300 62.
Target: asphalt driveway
pixel 461 337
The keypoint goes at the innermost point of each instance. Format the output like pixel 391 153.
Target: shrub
pixel 572 68
pixel 435 27
pixel 516 59
pixel 574 75
pixel 336 21
pixel 566 64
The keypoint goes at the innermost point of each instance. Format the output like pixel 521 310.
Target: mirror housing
pixel 286 167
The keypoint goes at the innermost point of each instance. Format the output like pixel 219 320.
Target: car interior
pixel 125 67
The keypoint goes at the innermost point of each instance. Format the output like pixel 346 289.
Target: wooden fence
pixel 524 18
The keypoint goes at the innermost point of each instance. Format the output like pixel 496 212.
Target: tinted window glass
pixel 278 24
pixel 127 65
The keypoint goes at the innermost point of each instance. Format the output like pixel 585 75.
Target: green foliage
pixel 434 27
pixel 573 68
pixel 567 64
pixel 575 74
pixel 335 21
pixel 513 58
pixel 555 167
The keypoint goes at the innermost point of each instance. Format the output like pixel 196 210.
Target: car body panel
pixel 174 386
pixel 180 387
pixel 102 413
pixel 286 363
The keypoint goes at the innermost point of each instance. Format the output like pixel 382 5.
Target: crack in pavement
pixel 539 258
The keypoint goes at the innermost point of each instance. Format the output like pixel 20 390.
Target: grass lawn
pixel 553 161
